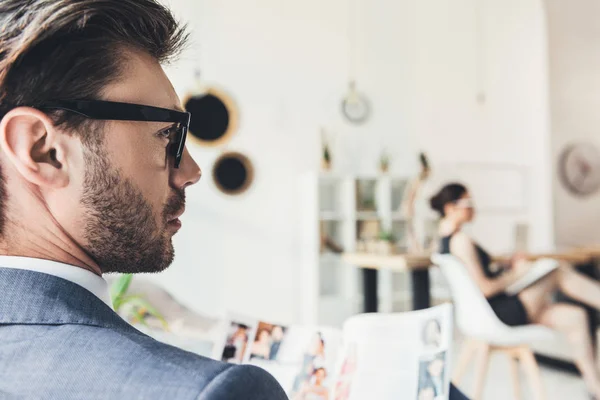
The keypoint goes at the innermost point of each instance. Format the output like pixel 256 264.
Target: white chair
pixel 485 333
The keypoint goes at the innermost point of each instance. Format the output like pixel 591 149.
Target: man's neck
pixel 51 244
pixel 76 263
pixel 31 230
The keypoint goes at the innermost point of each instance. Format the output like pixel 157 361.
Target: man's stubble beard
pixel 120 228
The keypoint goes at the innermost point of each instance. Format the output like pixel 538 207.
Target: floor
pixel 558 385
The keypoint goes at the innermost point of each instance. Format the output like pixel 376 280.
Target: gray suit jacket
pixel 59 341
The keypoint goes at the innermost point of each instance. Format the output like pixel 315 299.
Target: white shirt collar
pixel 79 276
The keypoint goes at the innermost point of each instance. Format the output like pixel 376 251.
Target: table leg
pixel 370 290
pixel 421 290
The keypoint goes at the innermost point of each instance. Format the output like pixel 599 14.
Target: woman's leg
pixel 579 287
pixel 572 321
pixel 537 297
pixel 569 281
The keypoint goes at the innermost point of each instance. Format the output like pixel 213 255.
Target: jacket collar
pixel 80 276
pixel 35 298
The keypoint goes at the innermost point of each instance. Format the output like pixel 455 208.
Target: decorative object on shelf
pixel 579 169
pixel 368 236
pixel 326 152
pixel 409 202
pixel 368 204
pixel 384 162
pixel 365 195
pixel 355 106
pixel 521 237
pixel 328 243
pixel 214 115
pixel 133 307
pixel 331 245
pixel 368 229
pixel 233 173
pixel 386 243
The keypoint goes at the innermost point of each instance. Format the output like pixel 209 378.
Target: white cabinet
pixel 343 208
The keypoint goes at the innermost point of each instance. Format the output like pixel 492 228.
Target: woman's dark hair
pixel 448 194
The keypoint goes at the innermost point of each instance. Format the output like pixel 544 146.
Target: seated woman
pixel 533 304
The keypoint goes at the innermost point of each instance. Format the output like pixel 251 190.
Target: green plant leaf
pixel 387 236
pixel 120 287
pixel 122 300
pixel 143 307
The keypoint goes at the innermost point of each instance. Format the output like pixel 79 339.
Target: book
pixel 538 270
pixel 374 356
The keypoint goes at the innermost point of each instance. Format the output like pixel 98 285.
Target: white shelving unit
pixel 331 291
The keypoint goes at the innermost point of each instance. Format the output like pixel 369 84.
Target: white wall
pixel 286 62
pixel 574 36
pixel 510 130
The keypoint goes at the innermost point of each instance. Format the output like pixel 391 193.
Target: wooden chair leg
pixel 514 366
pixel 467 351
pixel 532 370
pixel 481 367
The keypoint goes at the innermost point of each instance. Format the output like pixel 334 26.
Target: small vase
pixel 385 248
pixel 325 165
pixel 372 246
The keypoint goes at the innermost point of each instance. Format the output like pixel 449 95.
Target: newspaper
pixel 375 356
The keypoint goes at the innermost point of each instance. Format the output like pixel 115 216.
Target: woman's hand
pixel 519 265
pixel 518 260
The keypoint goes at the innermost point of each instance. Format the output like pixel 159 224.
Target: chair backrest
pixel 474 316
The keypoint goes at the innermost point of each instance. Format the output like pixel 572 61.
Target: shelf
pixel 328 259
pixel 367 215
pixel 330 176
pixel 330 216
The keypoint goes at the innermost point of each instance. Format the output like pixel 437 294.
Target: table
pixel 418 264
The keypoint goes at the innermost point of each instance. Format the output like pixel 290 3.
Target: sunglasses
pixel 115 111
pixel 464 203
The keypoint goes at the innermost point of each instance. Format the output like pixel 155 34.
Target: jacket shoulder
pixel 212 379
pixel 243 382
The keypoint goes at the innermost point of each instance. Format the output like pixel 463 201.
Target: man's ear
pixel 35 147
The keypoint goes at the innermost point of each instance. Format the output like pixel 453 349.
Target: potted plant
pixel 326 152
pixel 384 162
pixel 386 242
pixel 326 163
pixel 368 204
pixel 134 307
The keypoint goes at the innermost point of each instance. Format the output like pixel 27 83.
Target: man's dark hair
pixel 72 49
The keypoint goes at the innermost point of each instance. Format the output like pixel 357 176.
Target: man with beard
pixel 93 171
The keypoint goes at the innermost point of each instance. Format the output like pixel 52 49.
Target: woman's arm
pixel 463 248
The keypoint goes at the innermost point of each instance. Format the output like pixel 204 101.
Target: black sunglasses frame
pixel 116 111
